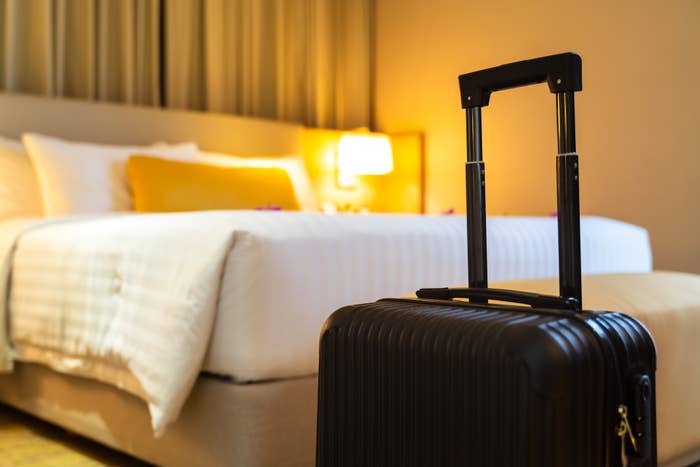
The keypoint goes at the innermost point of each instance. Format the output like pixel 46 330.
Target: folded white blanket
pixel 145 329
pixel 10 232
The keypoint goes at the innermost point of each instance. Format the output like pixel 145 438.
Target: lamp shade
pixel 365 155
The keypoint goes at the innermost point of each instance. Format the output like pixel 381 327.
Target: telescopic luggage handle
pixel 563 74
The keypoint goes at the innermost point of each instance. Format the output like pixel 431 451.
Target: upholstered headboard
pixel 98 122
pixel 81 120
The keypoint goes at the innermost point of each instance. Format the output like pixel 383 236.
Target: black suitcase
pixel 439 381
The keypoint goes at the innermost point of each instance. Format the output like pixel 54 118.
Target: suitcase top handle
pixel 563 74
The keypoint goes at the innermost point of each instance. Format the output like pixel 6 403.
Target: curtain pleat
pixel 93 49
pixel 28 61
pixel 306 61
pixel 299 60
pixel 183 70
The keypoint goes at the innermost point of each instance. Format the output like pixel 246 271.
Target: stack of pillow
pixel 54 177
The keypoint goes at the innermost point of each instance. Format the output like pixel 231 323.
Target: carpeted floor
pixel 27 441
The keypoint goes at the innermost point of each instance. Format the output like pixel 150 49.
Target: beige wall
pixel 638 118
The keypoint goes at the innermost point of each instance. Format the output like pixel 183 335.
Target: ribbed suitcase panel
pixel 413 384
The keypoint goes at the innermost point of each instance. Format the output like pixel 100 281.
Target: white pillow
pixel 293 165
pixel 19 190
pixel 83 178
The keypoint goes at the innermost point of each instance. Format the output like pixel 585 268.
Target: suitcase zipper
pixel 624 430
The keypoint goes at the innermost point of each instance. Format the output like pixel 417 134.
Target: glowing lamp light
pixel 363 155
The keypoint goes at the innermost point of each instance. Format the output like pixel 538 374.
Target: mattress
pixel 287 271
pixel 131 299
pixel 285 275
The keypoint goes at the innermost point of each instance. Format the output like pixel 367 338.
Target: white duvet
pixel 131 300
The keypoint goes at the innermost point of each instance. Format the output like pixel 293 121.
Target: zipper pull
pixel 625 430
pixel 623 452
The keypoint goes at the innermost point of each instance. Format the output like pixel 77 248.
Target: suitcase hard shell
pixel 441 381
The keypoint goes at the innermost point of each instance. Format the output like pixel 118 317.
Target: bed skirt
pixel 222 424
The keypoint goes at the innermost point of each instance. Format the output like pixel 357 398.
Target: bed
pixel 91 325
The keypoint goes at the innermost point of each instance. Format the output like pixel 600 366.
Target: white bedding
pixel 287 273
pixel 130 299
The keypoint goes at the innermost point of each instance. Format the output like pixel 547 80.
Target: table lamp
pixel 362 154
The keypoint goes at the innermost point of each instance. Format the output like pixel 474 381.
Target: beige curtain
pixel 300 60
pixel 94 49
pixel 306 61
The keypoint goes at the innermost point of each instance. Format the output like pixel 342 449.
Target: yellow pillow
pixel 161 185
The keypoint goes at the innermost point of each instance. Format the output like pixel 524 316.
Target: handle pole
pixel 476 202
pixel 568 208
pixel 566 127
